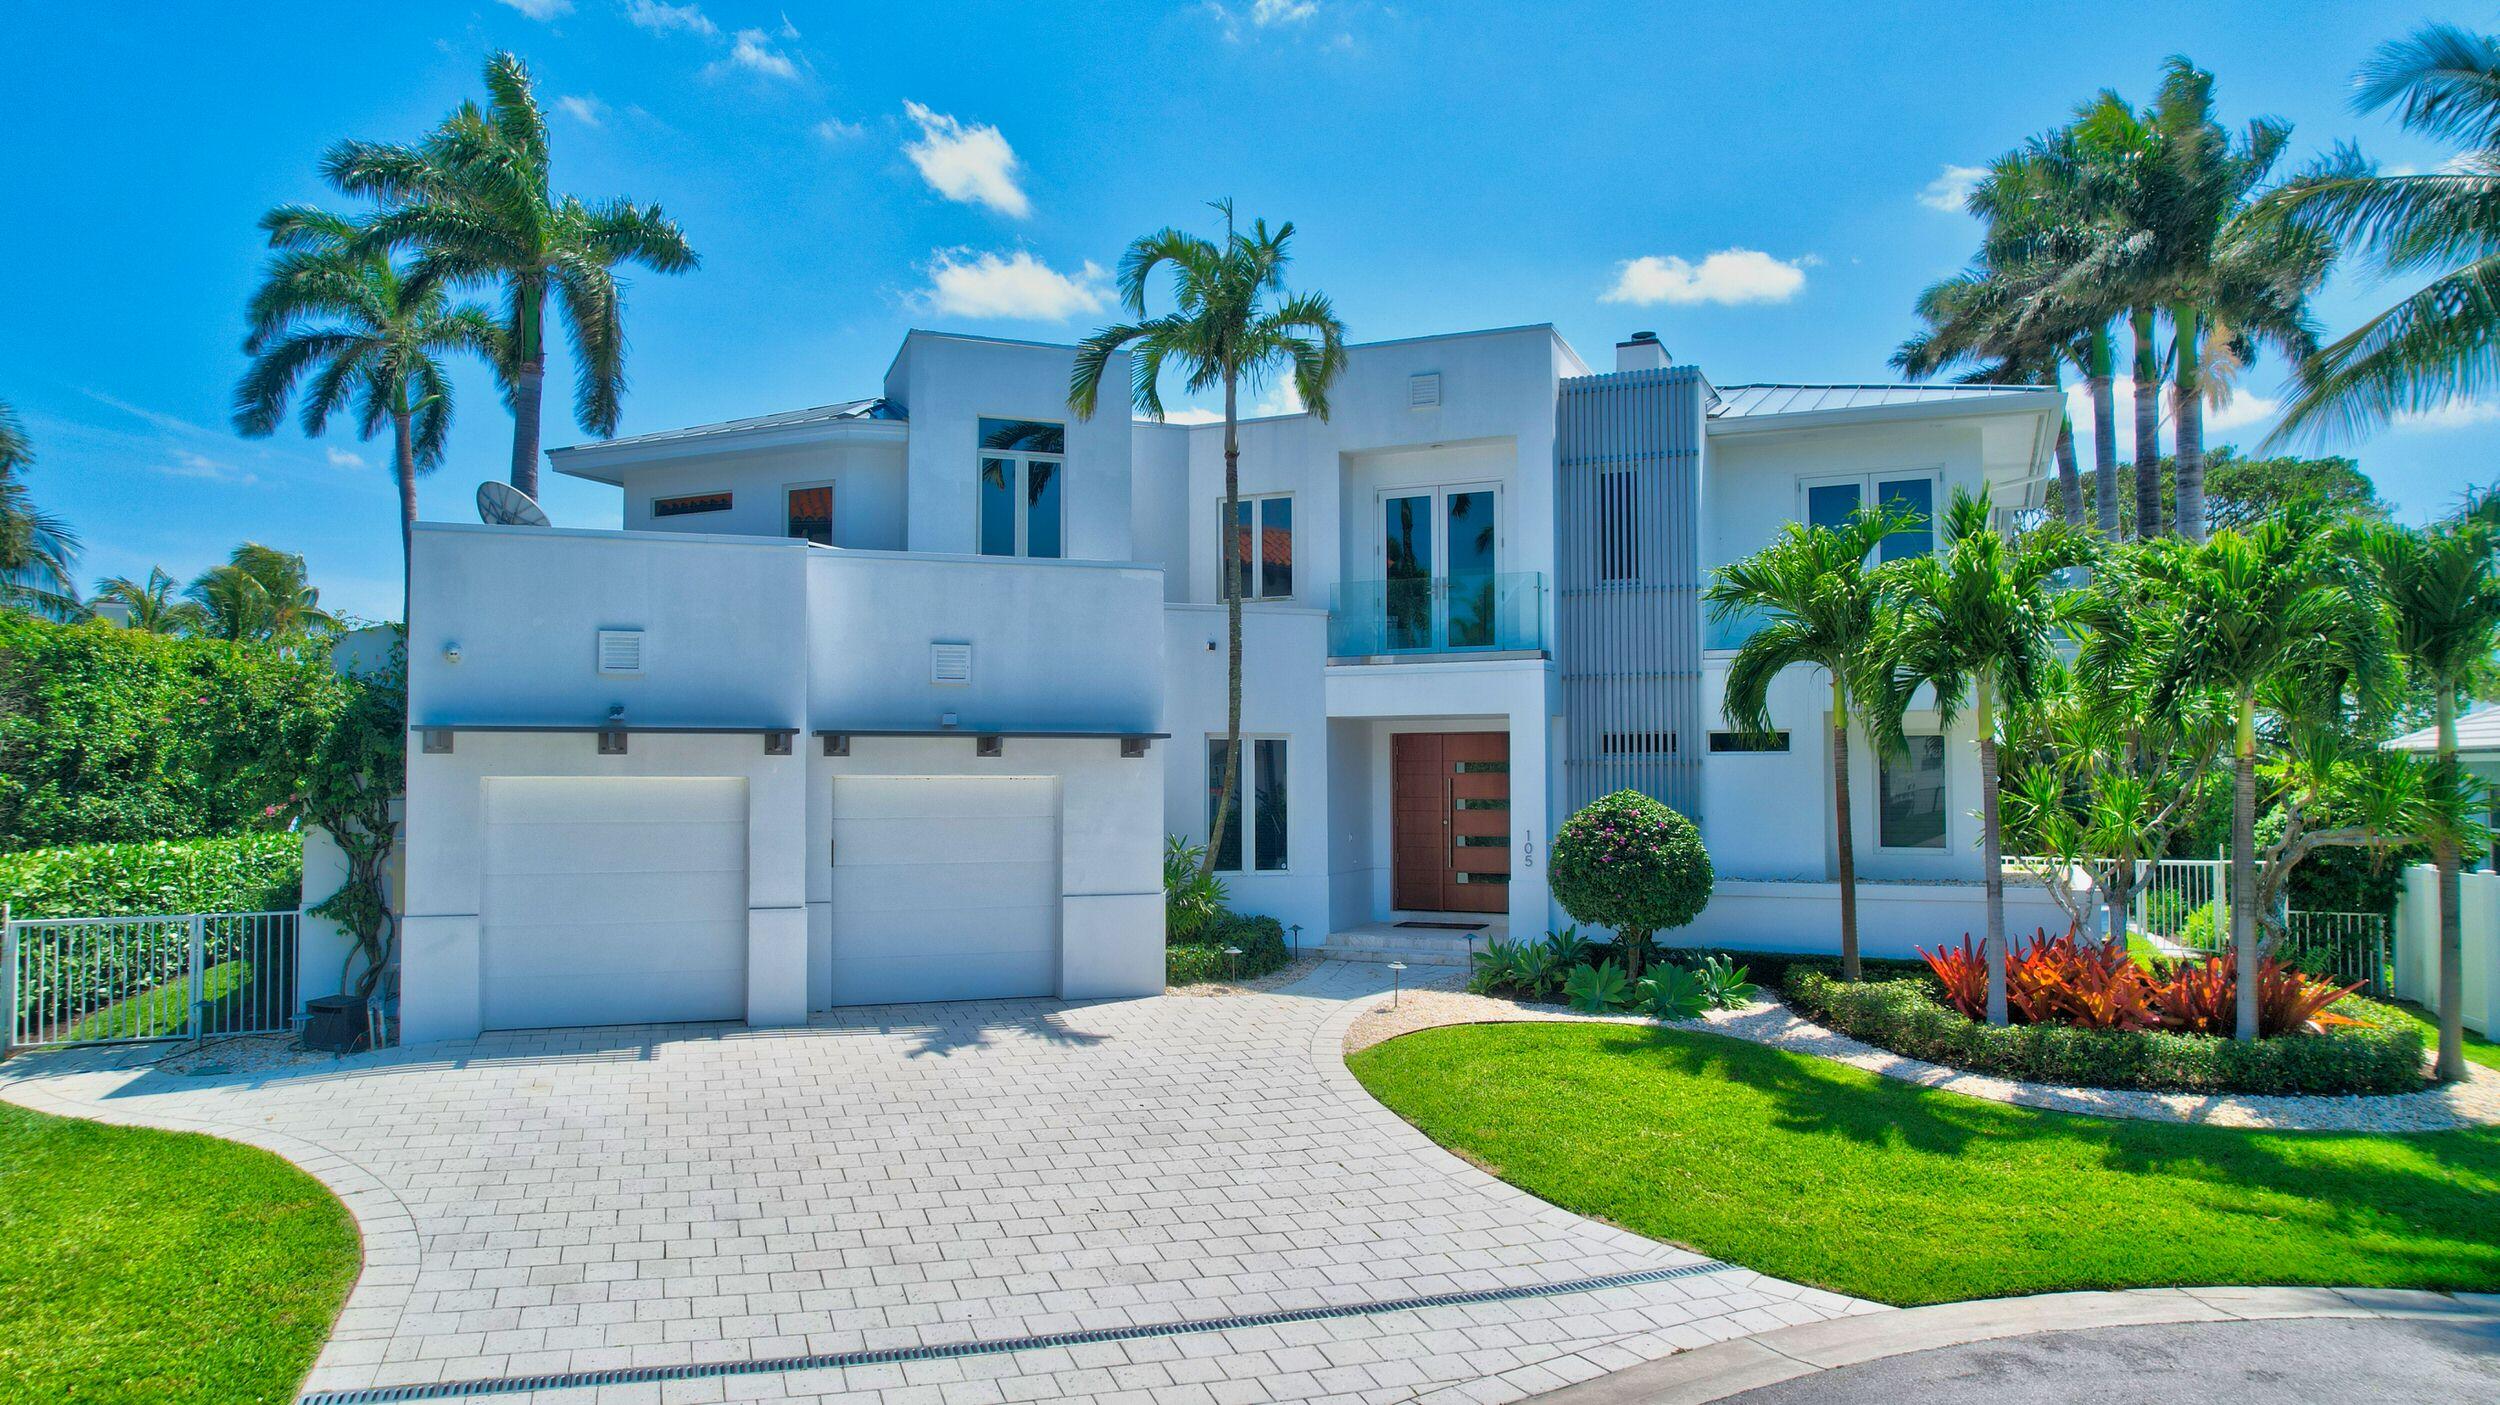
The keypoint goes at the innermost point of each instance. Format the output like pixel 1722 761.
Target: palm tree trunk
pixel 2244 865
pixel 2451 1065
pixel 1991 849
pixel 1848 846
pixel 2147 427
pixel 404 466
pixel 2069 478
pixel 2104 431
pixel 1234 570
pixel 529 380
pixel 2187 422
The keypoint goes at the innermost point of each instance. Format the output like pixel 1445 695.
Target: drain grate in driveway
pixel 887 1356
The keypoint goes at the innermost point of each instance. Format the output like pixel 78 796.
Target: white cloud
pixel 833 130
pixel 2455 414
pixel 1192 414
pixel 660 17
pixel 1266 12
pixel 2243 409
pixel 186 464
pixel 753 51
pixel 541 9
pixel 1729 276
pixel 1019 286
pixel 584 108
pixel 1951 188
pixel 972 164
pixel 1284 399
pixel 341 458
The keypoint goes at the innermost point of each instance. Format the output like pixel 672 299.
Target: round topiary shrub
pixel 1627 862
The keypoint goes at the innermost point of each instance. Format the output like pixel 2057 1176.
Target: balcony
pixel 1438 616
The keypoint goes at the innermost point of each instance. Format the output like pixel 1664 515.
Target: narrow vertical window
pixel 1276 551
pixel 1268 791
pixel 998 507
pixel 1908 495
pixel 1023 468
pixel 1911 810
pixel 1258 542
pixel 1618 545
pixel 1228 850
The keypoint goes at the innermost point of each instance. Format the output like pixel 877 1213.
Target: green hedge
pixel 2383 1055
pixel 1202 959
pixel 116 735
pixel 232 873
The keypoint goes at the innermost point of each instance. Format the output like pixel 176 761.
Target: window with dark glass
pixel 1911 810
pixel 687 503
pixel 1023 468
pixel 811 514
pixel 1263 782
pixel 1833 503
pixel 1748 741
pixel 1259 542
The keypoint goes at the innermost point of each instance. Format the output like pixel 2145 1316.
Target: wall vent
pixel 950 663
pixel 620 651
pixel 1423 392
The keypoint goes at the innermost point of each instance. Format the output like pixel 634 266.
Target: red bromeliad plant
pixel 2096 985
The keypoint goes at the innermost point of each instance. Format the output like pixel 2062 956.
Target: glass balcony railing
pixel 1732 632
pixel 1438 615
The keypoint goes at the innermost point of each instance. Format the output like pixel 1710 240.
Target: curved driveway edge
pixel 1731 1368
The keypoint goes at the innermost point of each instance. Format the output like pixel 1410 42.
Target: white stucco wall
pixel 947 384
pixel 1283 650
pixel 866 477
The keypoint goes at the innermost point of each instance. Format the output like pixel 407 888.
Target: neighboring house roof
pixel 874 409
pixel 1742 401
pixel 599 459
pixel 2477 732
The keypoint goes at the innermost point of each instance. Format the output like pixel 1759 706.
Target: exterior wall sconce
pixel 437 741
pixel 837 745
pixel 777 743
pixel 611 743
pixel 451 652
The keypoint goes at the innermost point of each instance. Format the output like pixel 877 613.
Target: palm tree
pixel 261 595
pixel 2442 585
pixel 1222 331
pixel 2285 609
pixel 37 549
pixel 1979 319
pixel 473 201
pixel 1821 602
pixel 152 604
pixel 339 313
pixel 2441 342
pixel 1976 620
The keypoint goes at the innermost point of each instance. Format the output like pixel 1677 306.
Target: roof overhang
pixel 609 463
pixel 2043 402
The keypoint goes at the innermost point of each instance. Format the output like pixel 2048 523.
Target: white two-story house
pixel 896 699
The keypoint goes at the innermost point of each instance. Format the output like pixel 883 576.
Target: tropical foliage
pixel 1628 862
pixel 37 549
pixel 262 595
pixel 1233 327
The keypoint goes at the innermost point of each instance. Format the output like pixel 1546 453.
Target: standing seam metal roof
pixel 872 409
pixel 1738 401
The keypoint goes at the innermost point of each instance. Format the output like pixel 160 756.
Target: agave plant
pixel 1599 989
pixel 1726 984
pixel 1672 993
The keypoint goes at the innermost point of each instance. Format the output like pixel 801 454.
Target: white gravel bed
pixel 2474 1103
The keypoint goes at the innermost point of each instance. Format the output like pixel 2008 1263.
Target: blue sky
pixel 848 172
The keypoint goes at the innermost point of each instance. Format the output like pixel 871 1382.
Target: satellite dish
pixel 502 505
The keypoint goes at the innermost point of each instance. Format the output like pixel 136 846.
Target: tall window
pixel 1911 810
pixel 811 514
pixel 1830 501
pixel 1263 780
pixel 1022 463
pixel 1261 540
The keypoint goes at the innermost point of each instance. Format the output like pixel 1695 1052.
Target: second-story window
pixel 1023 463
pixel 811 514
pixel 1261 540
pixel 1830 501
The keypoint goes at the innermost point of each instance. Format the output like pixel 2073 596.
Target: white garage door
pixel 944 888
pixel 614 901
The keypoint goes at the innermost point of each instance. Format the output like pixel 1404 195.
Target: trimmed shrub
pixel 2381 1053
pixel 1262 943
pixel 1628 862
pixel 229 873
pixel 115 735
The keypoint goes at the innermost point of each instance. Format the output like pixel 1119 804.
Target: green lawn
pixel 2478 1050
pixel 141 1266
pixel 165 1012
pixel 1820 1173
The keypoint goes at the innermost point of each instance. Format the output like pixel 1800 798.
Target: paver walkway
pixel 931 1176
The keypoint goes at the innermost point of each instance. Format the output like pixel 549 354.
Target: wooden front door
pixel 1449 821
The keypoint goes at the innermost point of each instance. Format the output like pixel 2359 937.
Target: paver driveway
pixel 586 1201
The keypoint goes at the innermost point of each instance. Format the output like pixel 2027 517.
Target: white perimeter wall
pixel 2417 943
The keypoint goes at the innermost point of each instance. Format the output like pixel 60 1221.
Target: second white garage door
pixel 944 888
pixel 613 900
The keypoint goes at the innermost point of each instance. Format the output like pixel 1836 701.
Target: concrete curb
pixel 1733 1367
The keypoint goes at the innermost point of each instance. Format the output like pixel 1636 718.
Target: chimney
pixel 1640 352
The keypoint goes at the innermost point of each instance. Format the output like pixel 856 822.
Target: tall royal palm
pixel 1232 327
pixel 1981 320
pixel 37 548
pixel 1815 595
pixel 473 201
pixel 1974 621
pixel 366 338
pixel 2284 608
pixel 2442 586
pixel 2439 343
